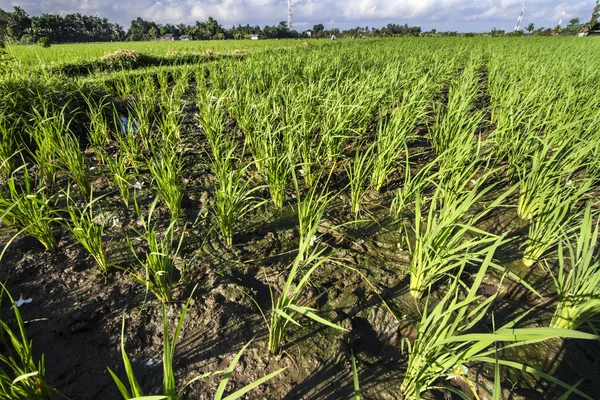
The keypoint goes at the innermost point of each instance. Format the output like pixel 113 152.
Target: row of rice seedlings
pixel 158 264
pixel 557 210
pixel 28 209
pixel 20 376
pixel 577 280
pixel 447 340
pixel 170 388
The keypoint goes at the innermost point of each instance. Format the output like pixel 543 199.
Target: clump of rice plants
pixel 28 209
pixel 120 174
pixel 447 341
pixel 577 280
pixel 88 229
pixel 358 174
pixel 555 214
pixel 448 234
pixel 166 166
pixel 550 167
pixel 234 198
pixel 289 304
pixel 158 263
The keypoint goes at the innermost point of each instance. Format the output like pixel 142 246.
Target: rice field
pixel 408 218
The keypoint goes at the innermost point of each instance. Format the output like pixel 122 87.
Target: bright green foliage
pixel 88 229
pixel 28 209
pixel 577 280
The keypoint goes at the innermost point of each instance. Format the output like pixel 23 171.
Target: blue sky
pixel 460 15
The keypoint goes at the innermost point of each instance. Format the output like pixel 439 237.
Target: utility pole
pixel 521 16
pixel 289 15
pixel 562 17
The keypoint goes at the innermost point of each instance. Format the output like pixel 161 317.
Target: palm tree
pixel 530 28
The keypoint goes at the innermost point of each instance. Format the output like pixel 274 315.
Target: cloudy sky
pixel 460 15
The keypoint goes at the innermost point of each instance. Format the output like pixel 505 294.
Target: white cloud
pixel 441 14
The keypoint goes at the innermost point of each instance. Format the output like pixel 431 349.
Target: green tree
pixel 594 23
pixel 530 28
pixel 18 23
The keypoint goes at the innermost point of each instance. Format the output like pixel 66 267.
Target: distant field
pixel 67 53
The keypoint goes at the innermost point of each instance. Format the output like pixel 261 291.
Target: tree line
pixel 19 27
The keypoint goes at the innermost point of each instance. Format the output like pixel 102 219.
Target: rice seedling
pixel 170 391
pixel 234 198
pixel 45 133
pixel 72 162
pixel 358 174
pixel 129 145
pixel 88 229
pixel 98 133
pixel 171 117
pixel 166 166
pixel 412 185
pixel 288 307
pixel 142 111
pixel 449 235
pixel 28 210
pixel 278 171
pixel 120 174
pixel 577 280
pixel 158 263
pixel 310 208
pixel 20 376
pixel 554 217
pixel 446 343
pixel 551 166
